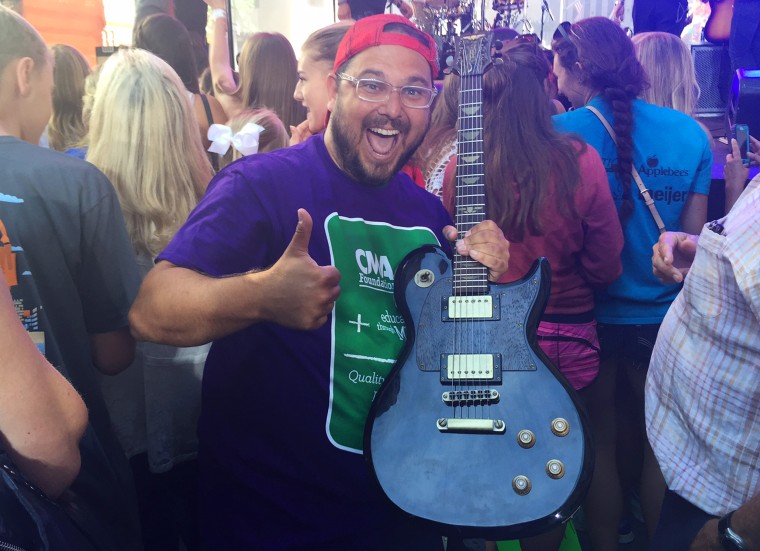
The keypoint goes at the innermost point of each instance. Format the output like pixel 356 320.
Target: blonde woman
pixel 667 61
pixel 144 137
pixel 66 128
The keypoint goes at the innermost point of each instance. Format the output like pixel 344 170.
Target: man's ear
pixel 332 91
pixel 24 71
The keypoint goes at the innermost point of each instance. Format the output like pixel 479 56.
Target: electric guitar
pixel 474 430
pixel 718 26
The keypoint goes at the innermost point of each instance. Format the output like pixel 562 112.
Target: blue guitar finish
pixel 464 481
pixel 474 430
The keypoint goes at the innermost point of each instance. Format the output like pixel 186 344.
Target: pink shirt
pixel 583 253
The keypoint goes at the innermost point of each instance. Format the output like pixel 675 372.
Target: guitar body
pixel 718 26
pixel 449 462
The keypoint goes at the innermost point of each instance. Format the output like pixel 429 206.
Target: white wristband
pixel 218 14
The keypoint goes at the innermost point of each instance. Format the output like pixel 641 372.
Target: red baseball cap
pixel 370 31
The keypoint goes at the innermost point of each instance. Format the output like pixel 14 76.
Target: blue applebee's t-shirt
pixel 283 411
pixel 673 158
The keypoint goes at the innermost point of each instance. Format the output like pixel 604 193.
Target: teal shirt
pixel 673 158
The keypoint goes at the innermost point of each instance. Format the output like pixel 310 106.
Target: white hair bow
pixel 246 141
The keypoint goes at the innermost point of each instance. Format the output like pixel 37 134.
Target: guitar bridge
pixel 472 426
pixel 470 397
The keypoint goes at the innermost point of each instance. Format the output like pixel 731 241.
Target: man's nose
pixel 393 106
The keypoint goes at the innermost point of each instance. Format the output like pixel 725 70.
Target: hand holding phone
pixel 741 135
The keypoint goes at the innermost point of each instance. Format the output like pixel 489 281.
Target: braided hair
pixel 603 57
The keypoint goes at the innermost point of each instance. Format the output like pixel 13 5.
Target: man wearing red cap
pixel 302 314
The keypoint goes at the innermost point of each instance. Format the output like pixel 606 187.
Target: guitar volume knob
pixel 521 485
pixel 526 439
pixel 555 469
pixel 560 427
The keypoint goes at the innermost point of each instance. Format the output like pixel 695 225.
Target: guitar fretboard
pixel 470 277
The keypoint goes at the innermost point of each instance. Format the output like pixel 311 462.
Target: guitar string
pixel 473 283
pixel 470 279
pixel 456 362
pixel 478 325
pixel 465 280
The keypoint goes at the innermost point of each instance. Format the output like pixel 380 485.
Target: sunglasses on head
pixel 563 31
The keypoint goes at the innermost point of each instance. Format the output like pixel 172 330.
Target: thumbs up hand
pixel 301 293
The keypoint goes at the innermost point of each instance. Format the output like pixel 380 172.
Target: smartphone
pixel 741 135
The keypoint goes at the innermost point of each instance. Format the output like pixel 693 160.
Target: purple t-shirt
pixel 283 411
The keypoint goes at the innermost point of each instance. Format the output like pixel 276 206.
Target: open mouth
pixel 382 140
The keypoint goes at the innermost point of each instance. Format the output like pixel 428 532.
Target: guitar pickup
pixel 472 307
pixel 468 368
pixel 456 398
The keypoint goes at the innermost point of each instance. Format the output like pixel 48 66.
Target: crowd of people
pixel 185 259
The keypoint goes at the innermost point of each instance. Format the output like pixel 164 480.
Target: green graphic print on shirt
pixel 368 332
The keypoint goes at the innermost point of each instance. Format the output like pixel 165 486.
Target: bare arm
pixel 694 213
pixel 218 116
pixel 219 53
pixel 735 173
pixel 745 522
pixel 618 12
pixel 42 417
pixel 112 352
pixel 405 9
pixel 344 11
pixel 184 308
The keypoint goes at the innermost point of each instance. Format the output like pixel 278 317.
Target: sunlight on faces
pixel 373 141
pixel 312 90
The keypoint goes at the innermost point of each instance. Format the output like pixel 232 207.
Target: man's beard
pixel 348 153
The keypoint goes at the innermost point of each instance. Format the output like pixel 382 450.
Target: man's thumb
pixel 302 235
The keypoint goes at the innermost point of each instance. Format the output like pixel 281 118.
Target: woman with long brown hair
pixel 268 72
pixel 66 128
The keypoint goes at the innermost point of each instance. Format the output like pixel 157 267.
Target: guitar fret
pixel 470 277
pixel 470 141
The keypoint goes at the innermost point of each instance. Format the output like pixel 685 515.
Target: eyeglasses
pixel 378 91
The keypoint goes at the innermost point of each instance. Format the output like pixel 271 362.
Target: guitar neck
pixel 470 277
